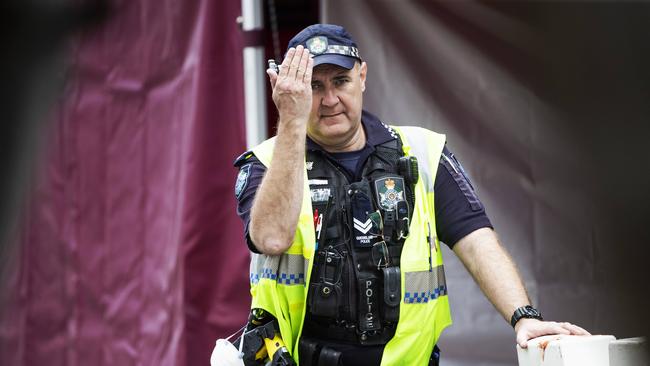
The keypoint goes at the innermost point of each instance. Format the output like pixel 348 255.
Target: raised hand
pixel 292 87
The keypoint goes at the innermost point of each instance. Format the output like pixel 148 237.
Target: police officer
pixel 344 216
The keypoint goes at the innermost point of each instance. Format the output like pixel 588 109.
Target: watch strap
pixel 525 312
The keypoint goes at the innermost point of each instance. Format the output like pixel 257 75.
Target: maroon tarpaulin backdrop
pixel 130 251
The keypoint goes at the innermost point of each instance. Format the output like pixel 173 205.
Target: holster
pixel 392 294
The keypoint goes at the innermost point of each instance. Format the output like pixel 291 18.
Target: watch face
pixel 531 311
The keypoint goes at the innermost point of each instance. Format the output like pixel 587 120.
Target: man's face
pixel 337 98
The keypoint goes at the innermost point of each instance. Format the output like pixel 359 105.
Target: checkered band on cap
pixel 342 50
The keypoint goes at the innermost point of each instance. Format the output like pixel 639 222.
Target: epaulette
pixel 393 144
pixel 390 130
pixel 243 158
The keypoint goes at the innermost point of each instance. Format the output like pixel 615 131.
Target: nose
pixel 330 99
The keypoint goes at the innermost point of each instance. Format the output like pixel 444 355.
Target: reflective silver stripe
pixel 422 286
pixel 342 50
pixel 286 269
pixel 317 182
pixel 418 143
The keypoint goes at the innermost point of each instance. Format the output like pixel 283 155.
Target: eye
pixel 316 86
pixel 341 81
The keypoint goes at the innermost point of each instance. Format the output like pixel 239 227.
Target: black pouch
pixel 325 299
pixel 309 351
pixel 392 294
pixel 326 292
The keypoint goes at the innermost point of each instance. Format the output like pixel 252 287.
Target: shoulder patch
pixel 243 158
pixel 242 180
pixel 454 164
pixel 455 169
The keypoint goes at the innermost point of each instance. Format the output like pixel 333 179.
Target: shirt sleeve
pixel 248 180
pixel 458 209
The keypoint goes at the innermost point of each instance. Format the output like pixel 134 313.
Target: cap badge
pixel 317 45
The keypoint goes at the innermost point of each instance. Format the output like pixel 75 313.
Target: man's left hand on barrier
pixel 527 329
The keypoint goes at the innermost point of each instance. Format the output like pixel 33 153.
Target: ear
pixel 363 71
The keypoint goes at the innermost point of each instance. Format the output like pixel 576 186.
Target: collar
pixel 377 132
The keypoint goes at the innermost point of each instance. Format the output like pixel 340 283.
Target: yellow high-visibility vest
pixel 279 284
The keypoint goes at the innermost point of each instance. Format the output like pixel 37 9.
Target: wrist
pixel 291 120
pixel 523 322
pixel 292 131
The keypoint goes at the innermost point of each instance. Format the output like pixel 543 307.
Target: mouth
pixel 330 115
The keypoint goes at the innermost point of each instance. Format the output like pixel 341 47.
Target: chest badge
pixel 390 190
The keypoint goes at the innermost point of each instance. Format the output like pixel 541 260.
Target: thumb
pixel 273 77
pixel 522 340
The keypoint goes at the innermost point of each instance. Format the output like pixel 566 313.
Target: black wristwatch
pixel 525 312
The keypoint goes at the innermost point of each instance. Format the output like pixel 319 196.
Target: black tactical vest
pixel 354 292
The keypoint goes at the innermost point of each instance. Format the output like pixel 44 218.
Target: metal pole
pixel 254 76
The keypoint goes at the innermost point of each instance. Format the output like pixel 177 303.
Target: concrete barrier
pixel 560 350
pixel 629 352
pixel 598 350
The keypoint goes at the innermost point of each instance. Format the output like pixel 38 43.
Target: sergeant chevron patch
pixel 362 227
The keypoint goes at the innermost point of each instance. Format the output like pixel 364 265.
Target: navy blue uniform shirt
pixel 458 209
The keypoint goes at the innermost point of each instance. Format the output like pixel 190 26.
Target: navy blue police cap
pixel 329 44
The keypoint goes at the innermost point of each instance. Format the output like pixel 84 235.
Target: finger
pixel 543 328
pixel 583 331
pixel 574 329
pixel 273 77
pixel 557 328
pixel 284 70
pixel 302 67
pixel 295 62
pixel 309 70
